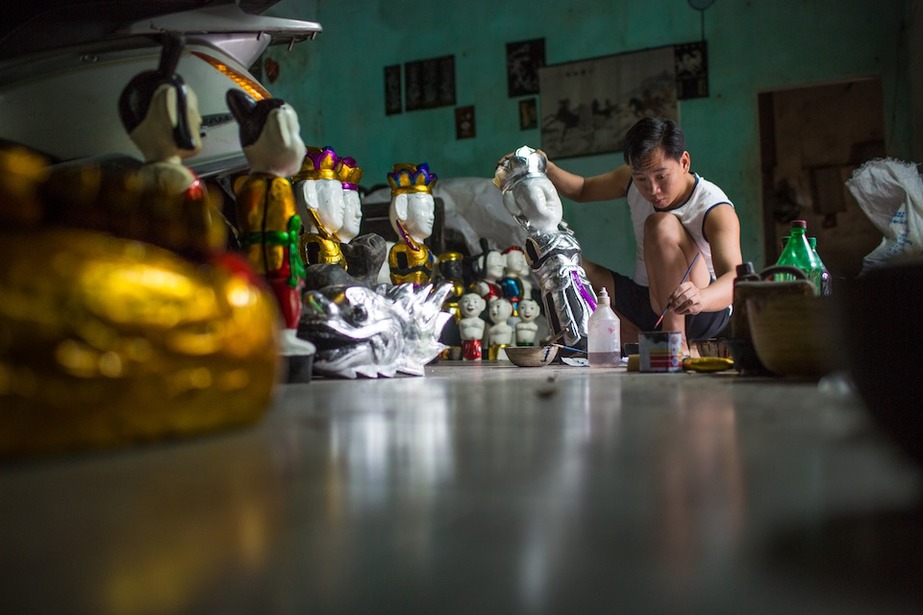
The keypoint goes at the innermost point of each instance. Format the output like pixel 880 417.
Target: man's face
pixel 662 181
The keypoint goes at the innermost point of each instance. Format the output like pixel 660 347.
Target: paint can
pixel 661 351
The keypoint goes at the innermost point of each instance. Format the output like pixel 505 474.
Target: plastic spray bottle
pixel 604 348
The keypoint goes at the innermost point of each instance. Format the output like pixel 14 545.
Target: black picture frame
pixel 528 114
pixel 465 122
pixel 393 98
pixel 523 60
pixel 691 61
pixel 429 83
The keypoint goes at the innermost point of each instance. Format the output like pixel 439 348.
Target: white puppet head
pixel 349 174
pixel 499 310
pixel 471 305
pixel 529 310
pixel 412 211
pixel 527 191
pixel 319 192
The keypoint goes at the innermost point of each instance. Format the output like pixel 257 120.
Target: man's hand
pixel 686 299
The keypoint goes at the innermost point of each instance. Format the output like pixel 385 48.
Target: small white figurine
pixel 471 326
pixel 500 332
pixel 412 214
pixel 517 268
pixel 527 328
pixel 489 269
pixel 320 201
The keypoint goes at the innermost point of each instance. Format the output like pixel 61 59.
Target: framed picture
pixel 465 125
pixel 429 83
pixel 393 102
pixel 587 106
pixel 523 59
pixel 691 70
pixel 528 114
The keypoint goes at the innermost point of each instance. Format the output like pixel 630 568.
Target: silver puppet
pixel 551 247
pixel 372 332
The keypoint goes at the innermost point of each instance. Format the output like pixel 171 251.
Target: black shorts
pixel 633 301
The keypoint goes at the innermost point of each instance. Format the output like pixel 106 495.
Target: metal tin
pixel 661 351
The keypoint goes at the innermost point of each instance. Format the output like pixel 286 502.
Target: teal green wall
pixel 336 83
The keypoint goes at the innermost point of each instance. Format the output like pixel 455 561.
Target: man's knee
pixel 599 276
pixel 661 226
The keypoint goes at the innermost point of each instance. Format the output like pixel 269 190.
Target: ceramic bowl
pixel 795 335
pixel 531 356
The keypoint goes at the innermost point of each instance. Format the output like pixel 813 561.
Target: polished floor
pixel 485 489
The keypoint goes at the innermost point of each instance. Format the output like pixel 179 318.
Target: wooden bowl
pixel 531 356
pixel 795 335
pixel 713 347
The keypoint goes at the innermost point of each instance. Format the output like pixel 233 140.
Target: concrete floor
pixel 485 489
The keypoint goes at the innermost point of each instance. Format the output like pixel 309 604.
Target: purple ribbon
pixel 584 291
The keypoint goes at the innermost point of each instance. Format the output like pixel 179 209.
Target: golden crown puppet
pixel 551 249
pixel 269 226
pixel 321 203
pixel 365 254
pixel 412 214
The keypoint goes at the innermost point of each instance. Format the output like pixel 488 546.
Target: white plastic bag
pixel 890 192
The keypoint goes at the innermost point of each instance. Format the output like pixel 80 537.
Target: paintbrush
pixel 683 279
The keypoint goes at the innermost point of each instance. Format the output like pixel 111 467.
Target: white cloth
pixel 890 192
pixel 705 196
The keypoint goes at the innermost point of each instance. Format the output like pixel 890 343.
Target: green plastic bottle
pixel 825 274
pixel 798 253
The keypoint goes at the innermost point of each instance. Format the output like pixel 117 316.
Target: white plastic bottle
pixel 604 347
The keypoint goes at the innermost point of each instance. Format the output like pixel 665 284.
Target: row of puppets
pixel 146 301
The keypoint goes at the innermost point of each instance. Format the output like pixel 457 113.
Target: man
pixel 676 214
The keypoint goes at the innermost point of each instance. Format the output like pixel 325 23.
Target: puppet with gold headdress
pixel 412 215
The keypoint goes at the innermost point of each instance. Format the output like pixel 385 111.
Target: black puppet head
pixel 251 115
pixel 135 101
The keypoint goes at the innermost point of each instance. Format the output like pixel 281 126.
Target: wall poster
pixel 523 59
pixel 429 83
pixel 691 70
pixel 587 106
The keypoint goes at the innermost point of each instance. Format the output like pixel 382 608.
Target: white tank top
pixel 705 195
